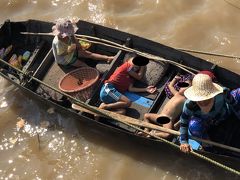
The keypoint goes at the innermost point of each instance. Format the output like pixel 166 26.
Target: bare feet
pixel 103 106
pixel 119 110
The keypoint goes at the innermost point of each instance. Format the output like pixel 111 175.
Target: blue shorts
pixel 109 94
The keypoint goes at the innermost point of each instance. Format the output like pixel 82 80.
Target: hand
pixel 151 89
pixel 109 59
pixel 186 148
pixel 174 80
pixel 72 47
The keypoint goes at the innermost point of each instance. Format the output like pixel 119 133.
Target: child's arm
pixel 149 89
pixel 138 75
pixel 171 85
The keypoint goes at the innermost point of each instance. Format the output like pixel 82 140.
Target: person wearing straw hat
pixel 120 81
pixel 205 101
pixel 67 50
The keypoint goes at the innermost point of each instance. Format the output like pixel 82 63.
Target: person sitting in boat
pixel 173 108
pixel 120 81
pixel 66 48
pixel 207 106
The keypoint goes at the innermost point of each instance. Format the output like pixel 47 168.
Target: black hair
pixel 140 61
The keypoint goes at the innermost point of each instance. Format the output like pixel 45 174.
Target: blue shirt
pixel 218 113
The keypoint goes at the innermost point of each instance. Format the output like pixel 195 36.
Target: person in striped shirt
pixel 205 101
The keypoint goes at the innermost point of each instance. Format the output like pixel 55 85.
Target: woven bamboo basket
pixel 79 83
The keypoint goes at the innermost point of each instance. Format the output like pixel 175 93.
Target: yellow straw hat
pixel 202 88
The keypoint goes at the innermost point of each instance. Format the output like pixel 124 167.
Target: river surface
pixel 70 150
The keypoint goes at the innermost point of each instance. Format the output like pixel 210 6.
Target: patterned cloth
pixel 219 112
pixel 184 78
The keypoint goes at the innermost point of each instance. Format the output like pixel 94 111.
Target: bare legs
pixel 118 107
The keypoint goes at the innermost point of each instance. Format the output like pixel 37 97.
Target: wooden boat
pixel 40 76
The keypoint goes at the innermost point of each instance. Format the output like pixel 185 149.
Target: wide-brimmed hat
pixel 140 61
pixel 64 28
pixel 202 88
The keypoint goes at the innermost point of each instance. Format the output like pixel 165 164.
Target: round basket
pixel 79 83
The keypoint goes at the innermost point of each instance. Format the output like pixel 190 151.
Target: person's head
pixel 140 61
pixel 203 90
pixel 185 83
pixel 64 28
pixel 163 119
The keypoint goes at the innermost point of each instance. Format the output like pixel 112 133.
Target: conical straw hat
pixel 202 88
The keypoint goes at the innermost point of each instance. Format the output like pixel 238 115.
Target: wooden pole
pixel 133 121
pixel 124 48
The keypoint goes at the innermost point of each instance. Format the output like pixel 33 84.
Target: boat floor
pixel 56 72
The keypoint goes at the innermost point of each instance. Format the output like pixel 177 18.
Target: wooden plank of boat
pixel 44 67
